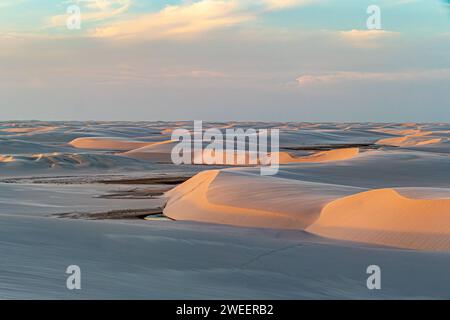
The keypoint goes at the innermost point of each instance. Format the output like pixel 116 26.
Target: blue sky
pixel 298 60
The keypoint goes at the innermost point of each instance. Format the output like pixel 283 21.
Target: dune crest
pixel 385 217
pixel 99 143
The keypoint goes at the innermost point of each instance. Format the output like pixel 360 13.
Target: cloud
pixel 178 20
pixel 284 4
pixel 94 10
pixel 191 18
pixel 10 3
pixel 349 76
pixel 366 38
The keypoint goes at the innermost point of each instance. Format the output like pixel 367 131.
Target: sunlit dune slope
pixel 385 217
pixel 236 199
pixel 99 143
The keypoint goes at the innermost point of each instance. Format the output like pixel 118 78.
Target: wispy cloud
pixel 284 4
pixel 191 18
pixel 366 38
pixel 95 10
pixel 349 76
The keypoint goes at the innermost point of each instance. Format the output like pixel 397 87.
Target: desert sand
pixel 107 197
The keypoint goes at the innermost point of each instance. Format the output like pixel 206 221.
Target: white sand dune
pixel 237 234
pixel 387 218
pixel 101 143
pixel 382 217
pixel 63 163
pixel 229 197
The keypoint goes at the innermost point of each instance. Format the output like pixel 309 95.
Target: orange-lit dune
pixel 409 138
pixel 385 217
pixel 166 131
pixel 287 158
pixel 6 158
pixel 97 143
pixel 409 141
pixel 28 130
pixel 253 201
pixel 323 156
pixel 152 151
pixel 380 216
pixel 283 157
pixel 161 151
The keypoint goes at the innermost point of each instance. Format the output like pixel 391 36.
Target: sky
pixel 222 60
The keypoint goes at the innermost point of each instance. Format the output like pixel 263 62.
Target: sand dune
pixel 385 217
pixel 409 138
pixel 323 156
pixel 161 151
pixel 6 158
pixel 100 143
pixel 382 217
pixel 409 141
pixel 313 228
pixel 402 132
pixel 28 130
pixel 166 131
pixel 229 197
pixel 283 157
pixel 154 151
